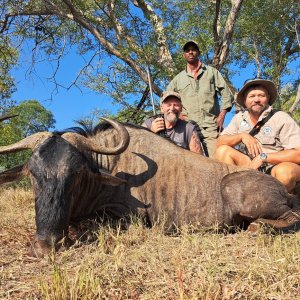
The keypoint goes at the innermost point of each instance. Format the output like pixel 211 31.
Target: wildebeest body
pixel 189 188
pixel 162 180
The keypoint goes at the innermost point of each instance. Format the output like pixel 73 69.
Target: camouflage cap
pixel 267 84
pixel 168 94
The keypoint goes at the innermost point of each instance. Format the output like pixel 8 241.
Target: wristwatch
pixel 263 156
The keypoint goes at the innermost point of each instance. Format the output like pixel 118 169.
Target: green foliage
pixel 128 115
pixel 265 36
pixel 288 97
pixel 32 117
pixel 8 57
pixel 121 39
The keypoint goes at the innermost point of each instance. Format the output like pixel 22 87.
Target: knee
pixel 285 170
pixel 287 173
pixel 222 152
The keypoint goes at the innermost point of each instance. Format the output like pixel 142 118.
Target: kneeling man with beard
pixel 182 133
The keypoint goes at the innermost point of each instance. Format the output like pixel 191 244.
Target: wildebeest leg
pixel 289 221
pixel 251 195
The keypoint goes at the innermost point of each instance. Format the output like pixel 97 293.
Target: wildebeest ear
pixel 111 180
pixel 13 174
pixel 107 179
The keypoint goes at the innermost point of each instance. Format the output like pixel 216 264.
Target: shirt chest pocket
pixel 267 140
pixel 207 84
pixel 182 86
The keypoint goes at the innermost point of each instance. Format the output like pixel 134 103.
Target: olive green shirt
pixel 200 96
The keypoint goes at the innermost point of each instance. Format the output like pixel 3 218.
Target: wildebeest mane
pixel 87 130
pixel 104 126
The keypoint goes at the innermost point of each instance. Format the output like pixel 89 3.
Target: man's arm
pixel 252 144
pixel 223 89
pixel 290 155
pixel 226 100
pixel 220 119
pixel 195 144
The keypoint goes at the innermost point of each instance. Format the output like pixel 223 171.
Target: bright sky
pixel 70 105
pixel 66 105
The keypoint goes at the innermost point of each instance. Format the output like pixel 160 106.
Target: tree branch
pixel 216 23
pixel 165 57
pixel 257 60
pixel 296 102
pixel 221 52
pixel 79 18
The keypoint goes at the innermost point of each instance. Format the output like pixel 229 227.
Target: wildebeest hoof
pixel 39 248
pixel 287 222
pixel 254 227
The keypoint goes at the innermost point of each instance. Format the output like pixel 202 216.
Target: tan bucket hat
pixel 267 84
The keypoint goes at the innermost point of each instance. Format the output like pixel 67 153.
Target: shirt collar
pixel 265 113
pixel 200 69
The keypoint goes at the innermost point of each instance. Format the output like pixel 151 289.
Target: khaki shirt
pixel 200 96
pixel 280 132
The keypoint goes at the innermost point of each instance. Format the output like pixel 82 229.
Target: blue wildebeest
pixel 159 178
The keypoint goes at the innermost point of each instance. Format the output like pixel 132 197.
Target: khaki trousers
pixel 209 141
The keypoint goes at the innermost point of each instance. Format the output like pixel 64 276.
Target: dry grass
pixel 144 263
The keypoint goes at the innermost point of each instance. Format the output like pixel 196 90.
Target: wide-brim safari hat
pixel 267 84
pixel 168 94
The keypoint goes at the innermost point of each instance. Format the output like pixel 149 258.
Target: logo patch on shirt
pixel 267 130
pixel 244 124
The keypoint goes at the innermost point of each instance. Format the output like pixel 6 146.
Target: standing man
pixel 199 86
pixel 274 144
pixel 182 133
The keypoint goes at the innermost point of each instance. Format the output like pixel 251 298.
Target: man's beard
pixel 172 117
pixel 258 111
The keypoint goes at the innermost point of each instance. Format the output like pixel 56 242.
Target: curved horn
pixel 31 142
pixel 82 143
pixel 3 118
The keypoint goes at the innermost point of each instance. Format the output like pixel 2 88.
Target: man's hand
pixel 252 144
pixel 157 125
pixel 255 163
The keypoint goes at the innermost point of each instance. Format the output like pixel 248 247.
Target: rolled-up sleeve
pixel 290 133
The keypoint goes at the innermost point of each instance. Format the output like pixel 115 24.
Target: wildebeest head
pixel 62 174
